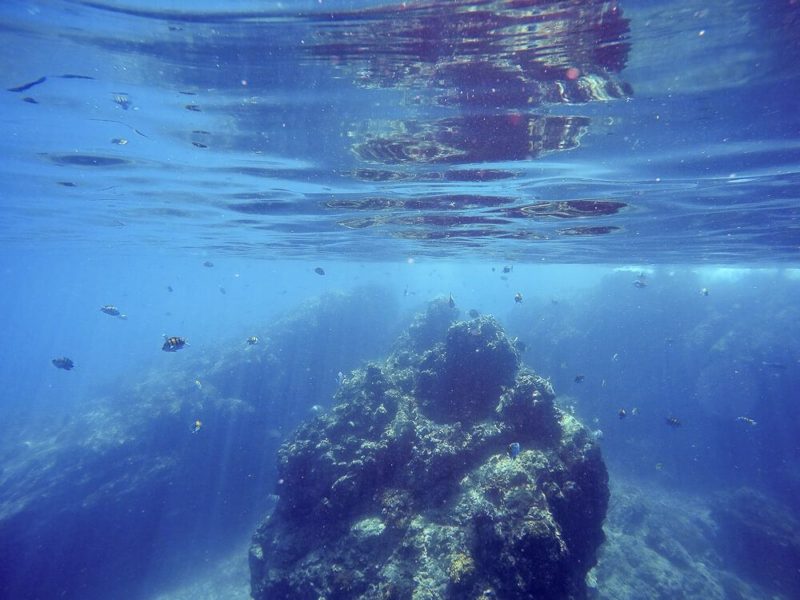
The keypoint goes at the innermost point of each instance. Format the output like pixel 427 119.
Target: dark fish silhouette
pixel 63 363
pixel 673 421
pixel 111 310
pixel 579 378
pixel 319 271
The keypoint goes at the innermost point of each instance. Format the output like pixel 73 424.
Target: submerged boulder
pixel 413 486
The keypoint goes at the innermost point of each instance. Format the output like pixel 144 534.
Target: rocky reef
pixel 663 544
pixel 761 538
pixel 413 485
pixel 127 477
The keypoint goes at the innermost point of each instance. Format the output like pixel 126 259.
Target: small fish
pixel 518 298
pixel 319 271
pixel 252 340
pixel 30 100
pixel 316 409
pixel 673 421
pixel 640 283
pixel 113 311
pixel 119 141
pixel 173 344
pixel 747 421
pixel 222 290
pixel 451 303
pixel 513 450
pixel 508 269
pixel 199 145
pixel 659 466
pixel 615 357
pixel 192 107
pixel 634 411
pixel 197 425
pixel 474 314
pixel 704 291
pixel 169 289
pixel 122 101
pixel 208 264
pixel 579 378
pixel 63 363
pixel 622 413
pixel 340 378
pixel 197 384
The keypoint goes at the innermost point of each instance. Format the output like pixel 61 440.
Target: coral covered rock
pixel 413 486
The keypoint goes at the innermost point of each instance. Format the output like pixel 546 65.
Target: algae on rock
pixel 405 489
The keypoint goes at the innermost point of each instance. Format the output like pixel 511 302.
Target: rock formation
pixel 409 487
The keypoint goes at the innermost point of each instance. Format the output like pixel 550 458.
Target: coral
pixel 461 379
pixel 461 568
pixel 405 490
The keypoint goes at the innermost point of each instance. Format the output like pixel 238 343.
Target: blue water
pixel 412 152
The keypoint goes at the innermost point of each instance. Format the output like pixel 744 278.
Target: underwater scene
pixel 438 299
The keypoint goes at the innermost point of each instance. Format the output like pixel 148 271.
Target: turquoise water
pixel 630 169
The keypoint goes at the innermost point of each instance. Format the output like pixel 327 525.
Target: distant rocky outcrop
pixel 124 493
pixel 408 488
pixel 663 544
pixel 761 538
